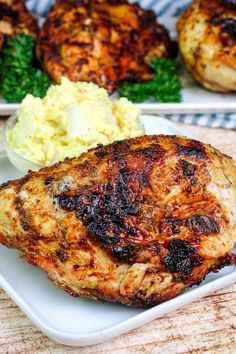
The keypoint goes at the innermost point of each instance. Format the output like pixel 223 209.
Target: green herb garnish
pixel 165 86
pixel 19 76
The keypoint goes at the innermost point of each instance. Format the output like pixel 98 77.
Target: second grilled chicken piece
pixel 137 221
pixel 104 41
pixel 15 18
pixel 207 42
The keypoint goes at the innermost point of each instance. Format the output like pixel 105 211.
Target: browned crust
pixel 15 18
pixel 207 42
pixel 112 41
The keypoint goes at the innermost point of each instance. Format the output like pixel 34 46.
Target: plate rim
pixel 168 123
pixel 73 339
pixel 7 109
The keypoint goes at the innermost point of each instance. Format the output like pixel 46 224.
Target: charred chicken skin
pixel 104 41
pixel 15 18
pixel 137 222
pixel 207 42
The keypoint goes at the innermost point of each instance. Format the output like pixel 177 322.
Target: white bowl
pixel 17 160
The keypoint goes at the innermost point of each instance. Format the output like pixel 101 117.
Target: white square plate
pixel 77 321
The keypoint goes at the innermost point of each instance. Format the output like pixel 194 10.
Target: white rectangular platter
pixel 196 100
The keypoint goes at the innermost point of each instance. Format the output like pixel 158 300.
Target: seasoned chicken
pixel 207 42
pixel 104 41
pixel 137 222
pixel 15 18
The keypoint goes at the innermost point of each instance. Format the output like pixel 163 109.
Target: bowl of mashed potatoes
pixel 69 120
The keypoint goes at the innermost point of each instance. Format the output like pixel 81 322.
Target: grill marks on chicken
pixel 101 41
pixel 136 222
pixel 104 210
pixel 15 18
pixel 207 42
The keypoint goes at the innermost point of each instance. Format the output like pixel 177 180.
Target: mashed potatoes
pixel 69 120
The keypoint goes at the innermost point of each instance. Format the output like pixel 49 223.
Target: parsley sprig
pixel 18 74
pixel 165 86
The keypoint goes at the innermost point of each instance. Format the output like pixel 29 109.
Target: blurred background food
pixel 119 46
pixel 101 41
pixel 19 72
pixel 15 18
pixel 207 42
pixel 69 120
pixel 165 85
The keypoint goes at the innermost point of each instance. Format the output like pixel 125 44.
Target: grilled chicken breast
pixel 136 222
pixel 207 42
pixel 15 18
pixel 104 41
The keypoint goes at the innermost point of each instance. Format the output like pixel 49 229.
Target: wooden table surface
pixel 205 326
